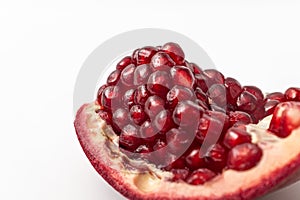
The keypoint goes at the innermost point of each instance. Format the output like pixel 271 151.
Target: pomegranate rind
pixel 280 161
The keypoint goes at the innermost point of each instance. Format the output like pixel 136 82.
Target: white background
pixel 43 45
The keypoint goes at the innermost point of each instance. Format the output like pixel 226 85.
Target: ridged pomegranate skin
pixel 123 182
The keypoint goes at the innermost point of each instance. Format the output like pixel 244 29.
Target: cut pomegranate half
pixel 163 128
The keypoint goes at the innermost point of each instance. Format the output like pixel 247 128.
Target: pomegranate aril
pixel 278 96
pixel 127 75
pixel 137 114
pixel 176 164
pixel 239 117
pixel 120 119
pixel 255 91
pixel 110 97
pixel 233 90
pixel 175 52
pixel 141 74
pixel 178 141
pixel 114 77
pixel 200 94
pixel 217 95
pixel 163 121
pixel 128 98
pixel 187 113
pixel 200 176
pixel 269 106
pixel 209 129
pixel 179 174
pixel 128 138
pixel 159 83
pixel 258 113
pixel 124 63
pixel 235 136
pixel 182 75
pixel 161 61
pixel 154 105
pixel 292 94
pixel 178 93
pixel 285 119
pixel 99 93
pixel 244 156
pixel 215 77
pixel 216 157
pixel 246 102
pixel 143 55
pixel 147 131
pixel 194 159
pixel 202 82
pixel 141 95
pixel 194 68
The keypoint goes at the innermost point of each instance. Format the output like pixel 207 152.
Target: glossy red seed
pixel 159 83
pixel 202 81
pixel 175 52
pixel 114 77
pixel 259 113
pixel 217 95
pixel 269 106
pixel 120 119
pixel 143 55
pixel 200 94
pixel 187 113
pixel 292 94
pixel 137 114
pixel 129 138
pixel 285 118
pixel 127 75
pixel 278 96
pixel 216 157
pixel 233 90
pixel 255 91
pixel 141 95
pixel 161 61
pixel 246 102
pixel 182 75
pixel 141 74
pixel 235 136
pixel 194 159
pixel 178 141
pixel 200 176
pixel 194 68
pixel 128 98
pixel 124 63
pixel 163 121
pixel 99 93
pixel 209 129
pixel 178 93
pixel 147 131
pixel 215 77
pixel 110 97
pixel 239 117
pixel 154 105
pixel 244 156
pixel 178 163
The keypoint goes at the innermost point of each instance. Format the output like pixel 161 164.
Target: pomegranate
pixel 163 128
